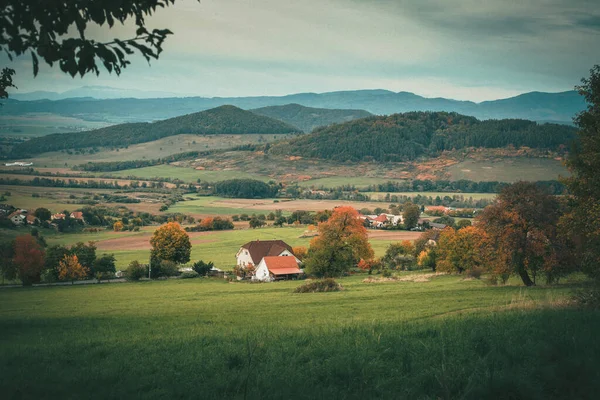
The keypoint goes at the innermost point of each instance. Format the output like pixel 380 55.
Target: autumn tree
pixel 462 250
pixel 28 259
pixel 342 242
pixel 69 269
pixel 411 215
pixel 522 230
pixel 118 226
pixel 300 252
pixel 582 222
pixel 170 242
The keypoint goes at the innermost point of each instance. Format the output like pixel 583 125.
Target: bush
pixel 165 268
pixel 48 276
pixel 588 297
pixel 189 275
pixel 135 271
pixel 324 285
pixel 202 268
pixel 475 272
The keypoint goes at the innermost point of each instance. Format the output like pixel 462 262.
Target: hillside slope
pixel 221 120
pixel 401 137
pixel 309 118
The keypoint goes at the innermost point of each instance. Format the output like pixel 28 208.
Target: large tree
pixel 462 250
pixel 583 221
pixel 410 215
pixel 171 243
pixel 522 230
pixel 28 259
pixel 342 242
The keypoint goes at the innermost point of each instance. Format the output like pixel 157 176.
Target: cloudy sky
pixel 463 49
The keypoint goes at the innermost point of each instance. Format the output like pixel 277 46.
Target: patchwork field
pixel 443 338
pixel 509 169
pixel 189 175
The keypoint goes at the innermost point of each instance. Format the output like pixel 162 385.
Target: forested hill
pixel 221 120
pixel 401 137
pixel 309 118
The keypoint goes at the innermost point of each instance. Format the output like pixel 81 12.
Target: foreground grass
pixel 209 339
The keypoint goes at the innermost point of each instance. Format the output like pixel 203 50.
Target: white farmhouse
pixel 251 253
pixel 275 268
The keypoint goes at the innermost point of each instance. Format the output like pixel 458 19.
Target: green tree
pixel 411 215
pixel 256 223
pixel 170 242
pixel 104 267
pixel 86 255
pixel 202 268
pixel 43 214
pixel 582 224
pixel 7 266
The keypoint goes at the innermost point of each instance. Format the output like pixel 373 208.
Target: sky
pixel 468 50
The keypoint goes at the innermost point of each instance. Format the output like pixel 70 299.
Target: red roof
pixel 259 249
pixel 282 265
pixel 381 218
pixel 77 215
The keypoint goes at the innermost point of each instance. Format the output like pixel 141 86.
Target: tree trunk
pixel 525 276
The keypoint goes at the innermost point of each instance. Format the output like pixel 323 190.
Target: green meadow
pixel 447 338
pixel 186 174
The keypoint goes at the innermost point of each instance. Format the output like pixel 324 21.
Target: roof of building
pixel 31 218
pixel 282 265
pixel 77 215
pixel 437 208
pixel 437 226
pixel 381 218
pixel 58 216
pixel 260 249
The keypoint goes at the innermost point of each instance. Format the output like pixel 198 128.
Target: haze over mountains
pixel 536 106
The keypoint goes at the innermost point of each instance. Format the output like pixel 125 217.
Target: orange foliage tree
pixel 170 242
pixel 118 226
pixel 300 252
pixel 342 242
pixel 521 227
pixel 69 269
pixel 461 250
pixel 29 258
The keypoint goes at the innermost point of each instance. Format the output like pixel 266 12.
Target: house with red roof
pixel 272 268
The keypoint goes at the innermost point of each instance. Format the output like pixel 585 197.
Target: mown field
pixel 509 169
pixel 445 338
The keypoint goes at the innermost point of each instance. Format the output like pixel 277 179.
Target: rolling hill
pixel 536 106
pixel 401 137
pixel 221 120
pixel 308 118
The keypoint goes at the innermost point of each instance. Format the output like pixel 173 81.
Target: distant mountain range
pixel 221 120
pixel 95 92
pixel 536 106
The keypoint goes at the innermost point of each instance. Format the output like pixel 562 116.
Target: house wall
pixel 17 220
pixel 243 258
pixel 262 272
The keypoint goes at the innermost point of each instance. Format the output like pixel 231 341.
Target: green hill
pixel 401 137
pixel 309 118
pixel 221 120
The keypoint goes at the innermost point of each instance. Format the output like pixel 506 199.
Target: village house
pixel 277 268
pixel 21 217
pixel 252 254
pixel 77 215
pixel 382 220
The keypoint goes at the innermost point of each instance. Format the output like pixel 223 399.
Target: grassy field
pixel 447 338
pixel 186 174
pixel 32 125
pixel 509 170
pixel 337 181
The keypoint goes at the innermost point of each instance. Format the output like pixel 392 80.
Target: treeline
pixel 402 137
pixel 64 183
pixel 221 120
pixel 246 189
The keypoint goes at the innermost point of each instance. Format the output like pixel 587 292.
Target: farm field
pixel 508 170
pixel 337 181
pixel 442 338
pixel 32 125
pixel 153 150
pixel 189 175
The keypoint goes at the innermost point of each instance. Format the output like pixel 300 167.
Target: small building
pixel 57 217
pixel 77 215
pixel 31 219
pixel 277 268
pixel 251 253
pixel 18 218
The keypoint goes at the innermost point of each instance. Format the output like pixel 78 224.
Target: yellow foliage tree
pixel 300 252
pixel 461 250
pixel 118 226
pixel 170 242
pixel 69 269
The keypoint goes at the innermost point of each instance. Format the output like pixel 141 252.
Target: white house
pixel 251 253
pixel 17 218
pixel 277 267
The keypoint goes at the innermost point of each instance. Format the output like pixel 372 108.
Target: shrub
pixel 201 268
pixel 324 285
pixel 48 276
pixel 165 268
pixel 135 271
pixel 588 297
pixel 189 275
pixel 475 272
